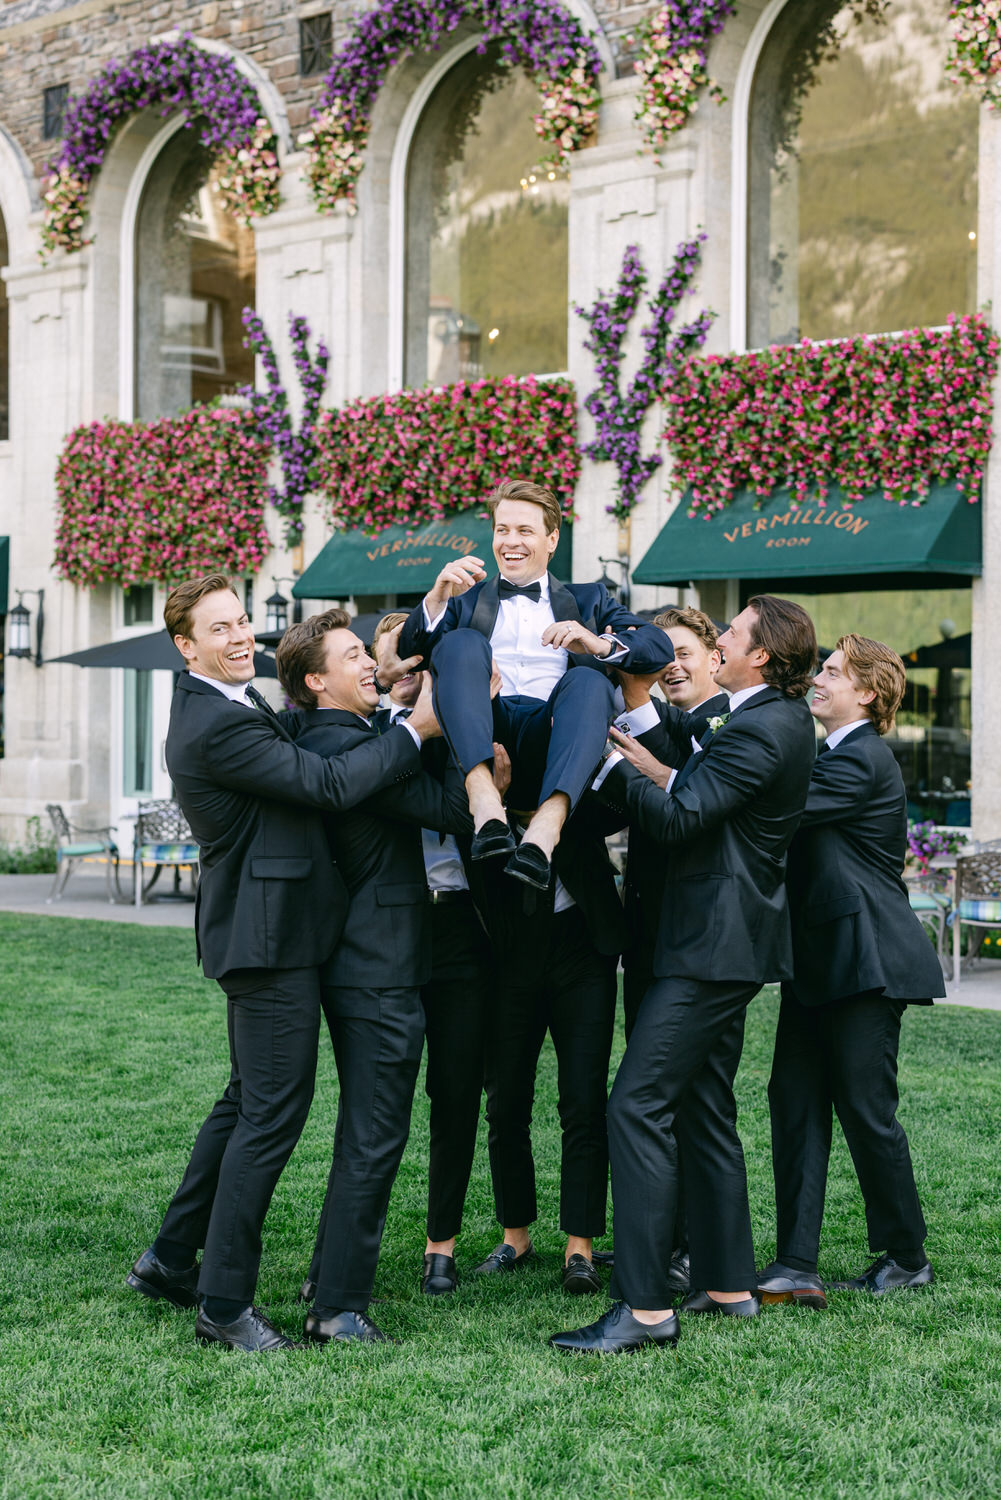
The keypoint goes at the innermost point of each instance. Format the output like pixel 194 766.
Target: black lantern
pixel 276 619
pixel 19 627
pixel 620 590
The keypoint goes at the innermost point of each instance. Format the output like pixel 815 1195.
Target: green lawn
pixel 113 1049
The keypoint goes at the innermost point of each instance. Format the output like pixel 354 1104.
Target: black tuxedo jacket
pixel 648 648
pixel 377 846
pixel 269 896
pixel 853 928
pixel 728 821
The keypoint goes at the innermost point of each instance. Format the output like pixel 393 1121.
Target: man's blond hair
pixel 875 668
pixel 692 619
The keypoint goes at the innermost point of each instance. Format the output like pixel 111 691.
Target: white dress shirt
pixel 442 861
pixel 837 735
pixel 235 691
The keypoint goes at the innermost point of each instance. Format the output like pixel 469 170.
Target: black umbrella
pixel 155 652
pixel 954 651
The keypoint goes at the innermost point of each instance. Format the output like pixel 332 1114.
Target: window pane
pixel 138 605
pixel 194 276
pixel 486 259
pixel 137 747
pixel 861 219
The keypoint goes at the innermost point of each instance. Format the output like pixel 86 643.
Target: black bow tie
pixel 403 715
pixel 530 590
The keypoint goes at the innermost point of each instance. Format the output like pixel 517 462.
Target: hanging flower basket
pixel 975 52
pixel 214 98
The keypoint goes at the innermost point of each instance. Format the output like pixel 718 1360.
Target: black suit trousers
pixel 273 1021
pixel 553 979
pixel 456 1002
pixel 378 1036
pixel 840 1058
pixel 672 1102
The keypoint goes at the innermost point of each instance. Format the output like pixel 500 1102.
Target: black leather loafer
pixel 885 1275
pixel 782 1283
pixel 440 1276
pixel 579 1276
pixel 505 1258
pixel 617 1332
pixel 679 1274
pixel 493 839
pixel 528 863
pixel 701 1302
pixel 251 1333
pixel 344 1328
pixel 153 1279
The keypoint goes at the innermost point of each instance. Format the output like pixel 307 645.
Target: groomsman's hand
pixel 391 667
pixel 635 689
pixel 496 681
pixel 502 769
pixel 454 579
pixel 641 758
pixel 571 635
pixel 422 719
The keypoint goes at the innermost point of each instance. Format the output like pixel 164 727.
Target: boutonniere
pixel 717 721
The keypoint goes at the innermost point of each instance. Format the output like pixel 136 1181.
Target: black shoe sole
pixel 528 877
pixel 806 1298
pixel 176 1298
pixel 439 1291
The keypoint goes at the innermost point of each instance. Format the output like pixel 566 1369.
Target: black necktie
pixel 404 713
pixel 259 701
pixel 823 749
pixel 509 590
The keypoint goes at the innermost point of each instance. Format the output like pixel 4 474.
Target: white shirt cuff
pixel 412 732
pixel 638 720
pixel 432 625
pixel 613 760
pixel 670 782
pixel 614 655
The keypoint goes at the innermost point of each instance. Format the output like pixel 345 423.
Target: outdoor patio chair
pixel 978 897
pixel 162 839
pixel 930 907
pixel 74 843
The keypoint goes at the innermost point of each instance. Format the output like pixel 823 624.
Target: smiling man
pixel 372 980
pixel 552 721
pixel 270 908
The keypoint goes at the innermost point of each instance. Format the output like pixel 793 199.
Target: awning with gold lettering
pixel 819 547
pixel 402 560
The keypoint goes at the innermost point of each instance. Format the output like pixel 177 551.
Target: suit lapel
pixel 484 616
pixel 563 603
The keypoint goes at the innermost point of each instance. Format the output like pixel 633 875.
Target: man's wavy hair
pixel 182 600
pixel 692 619
pixel 303 649
pixel 786 632
pixel 535 494
pixel 875 668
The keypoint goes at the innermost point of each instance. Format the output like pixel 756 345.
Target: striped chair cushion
pixel 980 911
pixel 167 854
pixel 925 901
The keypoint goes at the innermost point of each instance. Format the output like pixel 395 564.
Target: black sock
pixel 223 1309
pixel 172 1254
pixel 808 1267
pixel 910 1260
pixel 325 1312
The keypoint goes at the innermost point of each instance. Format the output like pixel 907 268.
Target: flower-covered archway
pixel 544 38
pixel 214 97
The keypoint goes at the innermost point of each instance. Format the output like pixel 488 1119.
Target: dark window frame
pixel 54 101
pixel 316 43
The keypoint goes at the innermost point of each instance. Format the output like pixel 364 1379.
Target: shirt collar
pixel 235 691
pixel 737 700
pixel 837 735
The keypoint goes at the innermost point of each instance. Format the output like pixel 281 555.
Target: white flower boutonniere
pixel 717 721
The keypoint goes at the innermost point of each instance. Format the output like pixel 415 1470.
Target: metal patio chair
pixel 162 839
pixel 74 843
pixel 977 899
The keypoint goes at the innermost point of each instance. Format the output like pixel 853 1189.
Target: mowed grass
pixel 113 1050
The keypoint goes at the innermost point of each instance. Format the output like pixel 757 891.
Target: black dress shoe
pixel 151 1277
pixel 505 1258
pixel 885 1275
pixel 701 1302
pixel 617 1332
pixel 440 1276
pixel 528 863
pixel 679 1274
pixel 494 838
pixel 251 1332
pixel 344 1328
pixel 580 1277
pixel 782 1283
pixel 307 1291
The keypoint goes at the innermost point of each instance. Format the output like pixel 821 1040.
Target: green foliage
pixel 111 1051
pixel 36 856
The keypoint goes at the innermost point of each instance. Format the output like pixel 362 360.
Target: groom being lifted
pixel 552 721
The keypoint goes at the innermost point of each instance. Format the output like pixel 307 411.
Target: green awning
pixel 405 561
pixel 4 569
pixel 818 547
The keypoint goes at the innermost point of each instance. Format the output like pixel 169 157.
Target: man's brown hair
pixel 786 632
pixel 387 623
pixel 692 619
pixel 182 600
pixel 875 668
pixel 535 494
pixel 303 649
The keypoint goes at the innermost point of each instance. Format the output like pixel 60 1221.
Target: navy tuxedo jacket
pixel 377 846
pixel 648 648
pixel 728 822
pixel 269 896
pixel 852 924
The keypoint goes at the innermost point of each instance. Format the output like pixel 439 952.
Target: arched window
pixel 486 257
pixel 194 275
pixel 862 176
pixel 4 339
